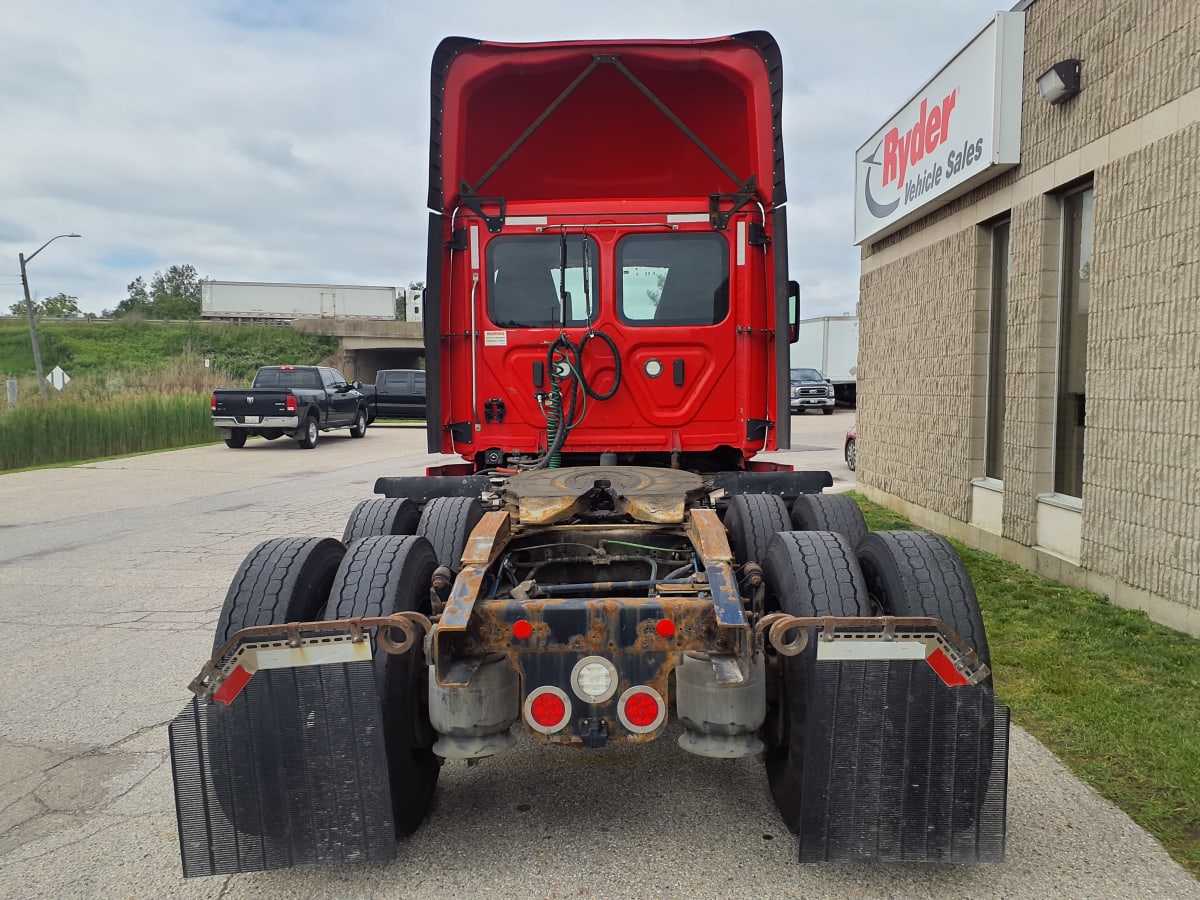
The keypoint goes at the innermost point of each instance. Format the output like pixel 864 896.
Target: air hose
pixel 564 361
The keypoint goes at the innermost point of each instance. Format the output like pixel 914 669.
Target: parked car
pixel 811 390
pixel 400 393
pixel 850 449
pixel 297 401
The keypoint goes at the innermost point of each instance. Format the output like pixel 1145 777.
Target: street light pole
pixel 37 350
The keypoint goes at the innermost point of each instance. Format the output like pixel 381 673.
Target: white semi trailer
pixel 284 302
pixel 830 343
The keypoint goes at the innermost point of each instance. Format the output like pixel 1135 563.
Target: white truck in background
pixel 830 344
pixel 266 301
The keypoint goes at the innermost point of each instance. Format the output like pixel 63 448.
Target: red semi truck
pixel 604 561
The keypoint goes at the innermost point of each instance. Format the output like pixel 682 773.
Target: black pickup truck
pixel 297 401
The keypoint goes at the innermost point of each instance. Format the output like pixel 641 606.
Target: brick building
pixel 1029 347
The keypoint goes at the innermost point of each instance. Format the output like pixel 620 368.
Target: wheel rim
pixel 851 454
pixel 312 431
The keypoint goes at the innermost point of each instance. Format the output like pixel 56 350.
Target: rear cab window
pixel 677 279
pixel 524 280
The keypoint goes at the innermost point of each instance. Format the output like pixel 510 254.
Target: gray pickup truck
pixel 297 401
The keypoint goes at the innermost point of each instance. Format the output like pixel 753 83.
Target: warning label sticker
pixel 495 339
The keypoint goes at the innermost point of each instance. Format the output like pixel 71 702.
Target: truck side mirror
pixel 793 311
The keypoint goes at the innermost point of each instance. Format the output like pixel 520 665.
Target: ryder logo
pixel 902 152
pixel 924 137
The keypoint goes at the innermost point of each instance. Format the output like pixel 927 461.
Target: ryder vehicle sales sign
pixel 962 128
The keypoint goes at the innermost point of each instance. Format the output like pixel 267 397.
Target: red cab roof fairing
pixel 598 120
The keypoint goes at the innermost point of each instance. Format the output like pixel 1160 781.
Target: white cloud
pixel 286 141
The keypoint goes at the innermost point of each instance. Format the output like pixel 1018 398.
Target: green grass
pixel 1112 694
pixel 135 345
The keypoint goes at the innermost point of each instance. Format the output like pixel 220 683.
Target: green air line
pixel 645 546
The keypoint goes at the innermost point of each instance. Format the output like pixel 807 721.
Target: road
pixel 111 578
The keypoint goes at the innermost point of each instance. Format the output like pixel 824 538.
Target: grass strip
pixel 1114 695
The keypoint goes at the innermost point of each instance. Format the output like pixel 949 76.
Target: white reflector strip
pixel 741 243
pixel 475 247
pixel 687 217
pixel 525 220
pixel 313 655
pixel 849 650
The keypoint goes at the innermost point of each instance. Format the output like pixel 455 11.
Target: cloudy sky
pixel 285 140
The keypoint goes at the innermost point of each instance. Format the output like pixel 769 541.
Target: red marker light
pixel 665 628
pixel 233 684
pixel 547 710
pixel 522 629
pixel 941 664
pixel 641 709
pixel 291 403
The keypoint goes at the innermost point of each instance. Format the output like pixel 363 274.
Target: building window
pixel 993 454
pixel 1075 291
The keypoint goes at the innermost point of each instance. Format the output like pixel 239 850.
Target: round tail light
pixel 641 709
pixel 594 679
pixel 547 709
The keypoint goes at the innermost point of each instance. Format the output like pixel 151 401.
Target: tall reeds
pixel 111 414
pixel 70 430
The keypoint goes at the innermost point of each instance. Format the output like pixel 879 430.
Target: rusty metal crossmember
pixel 300 635
pixel 877 638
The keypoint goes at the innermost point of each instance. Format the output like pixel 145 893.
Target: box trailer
pixel 830 344
pixel 284 302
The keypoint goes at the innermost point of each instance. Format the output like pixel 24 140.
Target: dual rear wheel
pixel 831 566
pixel 386 569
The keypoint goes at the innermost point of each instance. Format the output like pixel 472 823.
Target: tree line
pixel 173 294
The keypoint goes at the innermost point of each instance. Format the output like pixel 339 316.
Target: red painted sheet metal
pixel 606 140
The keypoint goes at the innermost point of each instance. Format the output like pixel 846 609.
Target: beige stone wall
pixel 1134 132
pixel 1141 497
pixel 1136 56
pixel 915 345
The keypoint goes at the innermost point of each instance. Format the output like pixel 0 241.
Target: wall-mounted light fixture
pixel 1059 82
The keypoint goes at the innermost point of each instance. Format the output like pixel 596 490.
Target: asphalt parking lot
pixel 112 576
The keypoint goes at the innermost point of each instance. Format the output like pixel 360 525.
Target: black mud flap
pixel 898 767
pixel 293 772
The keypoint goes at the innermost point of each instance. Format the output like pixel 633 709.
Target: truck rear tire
pixel 381 516
pixel 807 573
pixel 312 433
pixel 359 428
pixel 829 512
pixel 916 573
pixel 447 522
pixel 751 520
pixel 280 580
pixel 236 439
pixel 379 576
